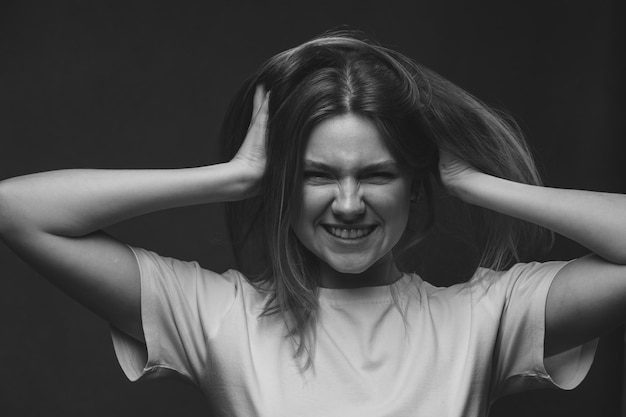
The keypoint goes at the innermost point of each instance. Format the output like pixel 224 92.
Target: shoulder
pixel 188 276
pixel 186 285
pixel 493 289
pixel 517 277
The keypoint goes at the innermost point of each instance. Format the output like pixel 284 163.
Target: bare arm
pixel 52 220
pixel 588 296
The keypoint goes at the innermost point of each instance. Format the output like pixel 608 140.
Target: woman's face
pixel 355 199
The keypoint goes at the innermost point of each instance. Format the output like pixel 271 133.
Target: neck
pixel 383 272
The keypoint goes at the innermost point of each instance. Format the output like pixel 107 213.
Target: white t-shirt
pixel 451 352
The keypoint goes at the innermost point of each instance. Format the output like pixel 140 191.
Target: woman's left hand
pixel 454 172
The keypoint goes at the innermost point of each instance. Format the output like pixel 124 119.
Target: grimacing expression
pixel 355 199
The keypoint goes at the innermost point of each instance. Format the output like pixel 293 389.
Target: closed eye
pixel 380 176
pixel 316 176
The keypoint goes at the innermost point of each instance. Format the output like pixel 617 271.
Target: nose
pixel 348 203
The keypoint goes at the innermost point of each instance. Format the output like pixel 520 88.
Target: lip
pixel 350 234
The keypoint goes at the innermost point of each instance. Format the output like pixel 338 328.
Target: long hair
pixel 416 111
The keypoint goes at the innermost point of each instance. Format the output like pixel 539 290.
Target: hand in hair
pixel 251 156
pixel 454 172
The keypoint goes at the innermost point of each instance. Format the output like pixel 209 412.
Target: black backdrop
pixel 145 84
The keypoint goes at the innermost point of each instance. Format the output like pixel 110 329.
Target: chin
pixel 350 267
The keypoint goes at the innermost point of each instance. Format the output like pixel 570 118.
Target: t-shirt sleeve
pixel 182 305
pixel 519 364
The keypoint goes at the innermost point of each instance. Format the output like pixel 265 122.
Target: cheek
pixel 396 199
pixel 310 207
pixel 394 207
pixel 314 201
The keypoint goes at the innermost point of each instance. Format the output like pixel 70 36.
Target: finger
pixel 259 105
pixel 259 95
pixel 260 98
pixel 263 110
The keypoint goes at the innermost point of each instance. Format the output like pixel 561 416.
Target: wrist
pixel 247 179
pixel 469 187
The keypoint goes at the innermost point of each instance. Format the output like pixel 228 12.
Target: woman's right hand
pixel 251 157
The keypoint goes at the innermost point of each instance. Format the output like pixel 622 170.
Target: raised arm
pixel 52 220
pixel 588 296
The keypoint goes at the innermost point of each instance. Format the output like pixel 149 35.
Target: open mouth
pixel 352 233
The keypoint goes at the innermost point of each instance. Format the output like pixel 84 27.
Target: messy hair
pixel 417 113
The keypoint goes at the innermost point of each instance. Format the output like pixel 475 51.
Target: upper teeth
pixel 350 233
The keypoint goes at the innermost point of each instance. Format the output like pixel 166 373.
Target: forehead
pixel 346 140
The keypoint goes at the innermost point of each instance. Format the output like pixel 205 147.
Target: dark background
pixel 145 84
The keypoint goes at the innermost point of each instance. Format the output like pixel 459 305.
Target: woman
pixel 339 157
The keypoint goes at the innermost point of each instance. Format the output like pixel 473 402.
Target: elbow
pixel 618 259
pixel 8 207
pixel 4 210
pixel 614 256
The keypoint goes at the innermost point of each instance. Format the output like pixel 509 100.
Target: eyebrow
pixel 378 166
